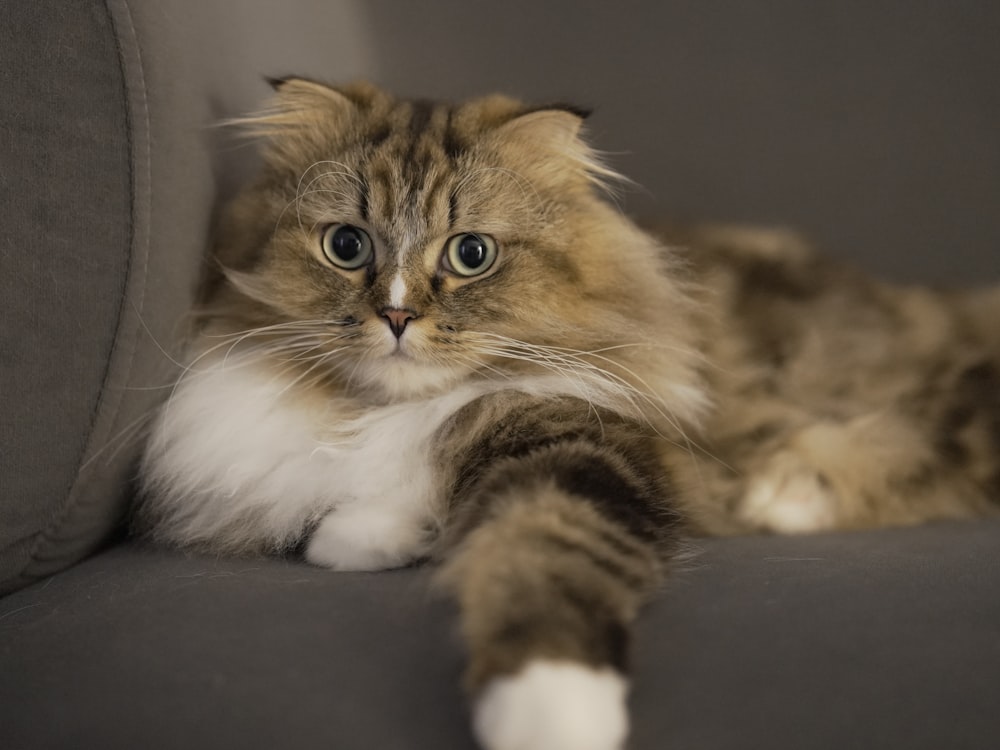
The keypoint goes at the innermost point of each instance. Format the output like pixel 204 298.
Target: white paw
pixel 790 498
pixel 359 538
pixel 553 705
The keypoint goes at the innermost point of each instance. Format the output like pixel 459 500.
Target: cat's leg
pixel 554 551
pixel 790 494
pixel 885 468
pixel 548 585
pixel 378 535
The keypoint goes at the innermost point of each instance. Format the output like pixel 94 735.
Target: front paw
pixel 552 705
pixel 356 538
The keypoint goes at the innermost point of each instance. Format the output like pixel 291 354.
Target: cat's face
pixel 435 243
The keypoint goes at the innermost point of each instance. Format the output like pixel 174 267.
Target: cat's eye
pixel 347 246
pixel 470 254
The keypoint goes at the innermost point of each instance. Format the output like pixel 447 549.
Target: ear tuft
pixel 555 131
pixel 554 128
pixel 300 107
pixel 581 112
pixel 276 83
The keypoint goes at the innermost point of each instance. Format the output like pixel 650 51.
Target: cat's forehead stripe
pixel 397 291
pixel 421 114
pixel 409 176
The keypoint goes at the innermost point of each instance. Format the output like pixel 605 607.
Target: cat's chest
pixel 256 436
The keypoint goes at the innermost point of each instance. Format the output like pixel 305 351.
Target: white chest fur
pixel 236 461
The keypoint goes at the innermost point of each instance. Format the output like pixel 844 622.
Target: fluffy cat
pixel 432 336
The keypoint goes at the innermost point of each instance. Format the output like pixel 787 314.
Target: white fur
pixel 397 292
pixel 236 459
pixel 553 705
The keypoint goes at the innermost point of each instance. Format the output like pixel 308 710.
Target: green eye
pixel 346 246
pixel 470 254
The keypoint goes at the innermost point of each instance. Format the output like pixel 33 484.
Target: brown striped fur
pixel 889 395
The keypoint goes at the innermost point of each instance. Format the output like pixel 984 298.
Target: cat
pixel 432 336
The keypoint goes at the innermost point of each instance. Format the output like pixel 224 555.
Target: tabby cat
pixel 432 336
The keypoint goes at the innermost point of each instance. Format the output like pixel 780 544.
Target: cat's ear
pixel 552 138
pixel 305 113
pixel 304 93
pixel 299 103
pixel 551 128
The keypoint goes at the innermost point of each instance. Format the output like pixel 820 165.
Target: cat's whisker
pixel 132 431
pixel 561 368
pixel 560 358
pixel 296 201
pixel 251 354
pixel 319 324
pixel 565 370
pixel 574 358
pixel 149 333
pixel 345 171
pixel 480 365
pixel 305 374
pixel 255 354
pixel 327 207
pixel 284 339
pixel 685 351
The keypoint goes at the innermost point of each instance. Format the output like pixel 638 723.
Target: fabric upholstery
pixel 65 258
pixel 110 162
pixel 867 640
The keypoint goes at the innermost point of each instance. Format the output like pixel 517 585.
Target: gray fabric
pixel 869 640
pixel 871 124
pixel 64 253
pixel 109 159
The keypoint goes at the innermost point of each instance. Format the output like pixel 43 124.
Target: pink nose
pixel 397 318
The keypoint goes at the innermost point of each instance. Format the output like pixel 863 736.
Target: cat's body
pixel 840 401
pixel 434 338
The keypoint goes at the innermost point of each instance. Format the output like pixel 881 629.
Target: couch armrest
pixel 110 173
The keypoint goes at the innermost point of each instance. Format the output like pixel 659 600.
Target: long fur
pixel 549 428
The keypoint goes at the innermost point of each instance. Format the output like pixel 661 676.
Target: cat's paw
pixel 553 705
pixel 790 497
pixel 357 538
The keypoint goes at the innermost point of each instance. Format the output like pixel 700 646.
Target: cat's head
pixel 412 245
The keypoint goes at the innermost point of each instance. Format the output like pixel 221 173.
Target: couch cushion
pixel 868 640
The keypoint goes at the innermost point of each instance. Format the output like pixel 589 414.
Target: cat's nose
pixel 397 319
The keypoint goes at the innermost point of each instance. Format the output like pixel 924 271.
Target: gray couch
pixel 873 126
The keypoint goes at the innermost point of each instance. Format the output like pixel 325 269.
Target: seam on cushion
pixel 135 275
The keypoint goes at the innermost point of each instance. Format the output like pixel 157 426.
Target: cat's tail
pixel 556 551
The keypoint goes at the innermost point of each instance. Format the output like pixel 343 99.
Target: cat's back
pixel 841 401
pixel 793 321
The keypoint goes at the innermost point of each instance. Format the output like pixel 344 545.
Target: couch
pixel 871 126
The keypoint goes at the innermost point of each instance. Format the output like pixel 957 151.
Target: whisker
pixel 568 361
pixel 304 374
pixel 123 437
pixel 298 188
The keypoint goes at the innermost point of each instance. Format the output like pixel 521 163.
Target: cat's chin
pixel 402 378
